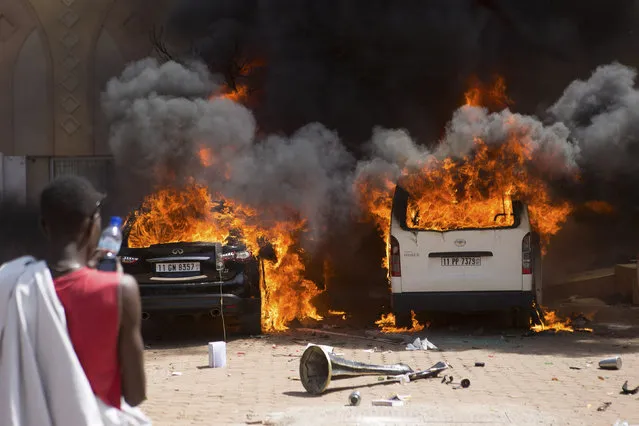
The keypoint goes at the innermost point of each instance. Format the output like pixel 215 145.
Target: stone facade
pixel 55 57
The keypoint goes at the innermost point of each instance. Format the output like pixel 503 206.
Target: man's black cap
pixel 69 198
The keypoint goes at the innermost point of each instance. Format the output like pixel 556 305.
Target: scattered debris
pixel 554 379
pixel 600 378
pixel 421 344
pixel 480 364
pixel 375 349
pixel 176 373
pixel 613 363
pixel 448 380
pixel 318 367
pixel 626 391
pixel 604 406
pixel 575 368
pixel 394 401
pixel 354 398
pixel 241 353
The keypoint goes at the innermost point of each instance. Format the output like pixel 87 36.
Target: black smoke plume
pixel 353 65
pixel 383 79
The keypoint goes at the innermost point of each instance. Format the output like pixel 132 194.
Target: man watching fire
pixel 102 309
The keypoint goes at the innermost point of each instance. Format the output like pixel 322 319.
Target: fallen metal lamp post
pixel 318 367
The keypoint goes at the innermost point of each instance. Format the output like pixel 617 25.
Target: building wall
pixel 55 58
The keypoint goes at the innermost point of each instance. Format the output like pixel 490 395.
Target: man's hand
pixel 98 255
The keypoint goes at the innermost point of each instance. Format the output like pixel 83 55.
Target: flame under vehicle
pixel 444 265
pixel 190 278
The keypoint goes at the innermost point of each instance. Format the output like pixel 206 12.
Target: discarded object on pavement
pixel 176 373
pixel 394 401
pixel 604 406
pixel 465 383
pixel 354 398
pixel 575 368
pixel 480 364
pixel 626 391
pixel 421 344
pixel 318 368
pixel 217 354
pixel 613 363
pixel 447 379
pixel 428 373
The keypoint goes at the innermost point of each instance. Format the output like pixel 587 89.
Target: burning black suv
pixel 197 277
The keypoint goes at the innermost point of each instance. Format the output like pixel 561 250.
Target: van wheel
pixel 521 317
pixel 403 319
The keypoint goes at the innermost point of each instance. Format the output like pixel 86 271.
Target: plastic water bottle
pixel 110 243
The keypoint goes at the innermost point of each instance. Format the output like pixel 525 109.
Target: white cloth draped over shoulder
pixel 41 380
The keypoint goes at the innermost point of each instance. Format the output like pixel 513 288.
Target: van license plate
pixel 461 261
pixel 178 267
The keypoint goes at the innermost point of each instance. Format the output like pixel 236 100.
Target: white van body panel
pixel 423 269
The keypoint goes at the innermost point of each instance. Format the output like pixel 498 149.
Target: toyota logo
pixel 460 243
pixel 177 251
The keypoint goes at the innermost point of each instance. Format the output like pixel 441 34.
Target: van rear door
pixel 477 260
pixel 460 260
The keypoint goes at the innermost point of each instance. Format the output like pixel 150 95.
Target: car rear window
pixel 429 213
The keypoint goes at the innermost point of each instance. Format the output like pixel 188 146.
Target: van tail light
pixel 526 255
pixel 395 260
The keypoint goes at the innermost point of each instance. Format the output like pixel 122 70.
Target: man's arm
pixel 131 346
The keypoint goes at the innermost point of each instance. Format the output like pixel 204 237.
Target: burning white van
pixel 496 266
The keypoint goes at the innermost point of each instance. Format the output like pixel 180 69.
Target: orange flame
pixel 206 157
pixel 377 199
pixel 337 314
pixel 600 207
pixel 476 191
pixel 494 97
pixel 191 214
pixel 240 94
pixel 552 322
pixel 387 324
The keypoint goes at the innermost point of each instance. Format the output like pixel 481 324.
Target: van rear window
pixel 429 213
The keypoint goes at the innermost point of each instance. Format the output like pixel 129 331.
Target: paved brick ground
pixel 526 380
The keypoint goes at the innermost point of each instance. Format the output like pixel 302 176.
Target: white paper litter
pixel 421 344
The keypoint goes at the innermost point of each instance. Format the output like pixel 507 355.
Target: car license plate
pixel 461 261
pixel 178 267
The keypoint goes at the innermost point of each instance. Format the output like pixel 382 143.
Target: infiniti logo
pixel 177 251
pixel 460 243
